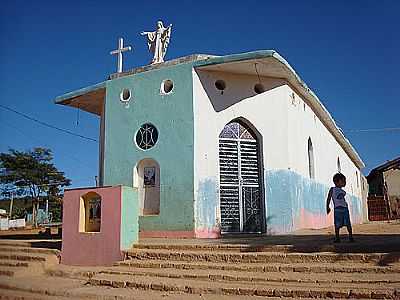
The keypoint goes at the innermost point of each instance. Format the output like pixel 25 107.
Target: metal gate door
pixel 239 180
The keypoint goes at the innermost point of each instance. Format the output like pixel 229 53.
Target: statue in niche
pixel 158 41
pixel 149 176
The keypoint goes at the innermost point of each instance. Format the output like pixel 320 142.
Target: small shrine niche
pixel 147 180
pixel 90 213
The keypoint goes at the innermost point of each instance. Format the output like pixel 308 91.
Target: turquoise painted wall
pixel 293 201
pixel 172 114
pixel 129 217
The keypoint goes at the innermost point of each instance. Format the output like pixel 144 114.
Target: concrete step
pixel 261 267
pixel 12 271
pixel 208 247
pixel 227 247
pixel 14 243
pixel 274 289
pixel 40 285
pixel 238 276
pixel 256 257
pixel 44 260
pixel 13 263
pixel 22 257
pixel 17 260
pixel 63 289
pixel 19 249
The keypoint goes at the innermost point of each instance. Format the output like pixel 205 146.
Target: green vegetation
pixel 31 178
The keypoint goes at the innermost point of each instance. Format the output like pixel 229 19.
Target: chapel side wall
pixel 213 110
pixel 292 199
pixel 172 115
pixel 306 208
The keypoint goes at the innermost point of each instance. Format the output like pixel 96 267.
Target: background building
pixel 384 191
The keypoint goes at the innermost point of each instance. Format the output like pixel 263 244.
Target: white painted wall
pixel 302 124
pixel 281 120
pixel 266 112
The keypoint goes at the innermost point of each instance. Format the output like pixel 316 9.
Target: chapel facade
pixel 203 145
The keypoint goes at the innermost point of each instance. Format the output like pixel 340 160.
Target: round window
pixel 125 95
pixel 147 136
pixel 220 85
pixel 259 88
pixel 167 86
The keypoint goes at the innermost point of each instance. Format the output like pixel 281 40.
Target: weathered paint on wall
pixel 129 217
pixel 284 122
pixel 92 248
pixel 294 202
pixel 172 114
pixel 206 221
pixel 304 124
pixel 212 111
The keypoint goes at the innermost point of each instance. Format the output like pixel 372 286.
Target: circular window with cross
pixel 147 136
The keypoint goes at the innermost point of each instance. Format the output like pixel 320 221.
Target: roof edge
pixel 316 103
pixel 60 99
pixel 234 57
pixel 328 117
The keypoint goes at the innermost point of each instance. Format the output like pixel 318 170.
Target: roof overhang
pixel 270 64
pixel 90 99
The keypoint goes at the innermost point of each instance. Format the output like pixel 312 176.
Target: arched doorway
pixel 240 179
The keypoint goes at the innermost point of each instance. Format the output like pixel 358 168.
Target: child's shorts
pixel 342 217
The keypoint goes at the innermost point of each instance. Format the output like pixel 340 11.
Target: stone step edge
pixel 56 293
pixel 30 250
pixel 249 268
pixel 20 257
pixel 13 263
pixel 84 274
pixel 77 274
pixel 232 278
pixel 227 247
pixel 256 256
pixel 35 294
pixel 320 255
pixel 7 273
pixel 233 248
pixel 14 243
pixel 275 292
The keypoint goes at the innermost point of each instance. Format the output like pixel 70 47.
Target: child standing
pixel 341 210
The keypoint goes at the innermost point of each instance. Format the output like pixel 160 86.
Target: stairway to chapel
pixel 19 258
pixel 237 270
pixel 206 271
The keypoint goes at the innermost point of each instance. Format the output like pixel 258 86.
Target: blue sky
pixel 346 51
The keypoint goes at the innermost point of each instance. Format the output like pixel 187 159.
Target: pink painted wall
pixel 92 248
pixel 207 233
pixel 307 219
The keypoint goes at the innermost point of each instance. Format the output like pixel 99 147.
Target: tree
pixel 32 173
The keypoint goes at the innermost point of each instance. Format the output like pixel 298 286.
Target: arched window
pixel 90 213
pixel 339 167
pixel 358 183
pixel 147 180
pixel 311 166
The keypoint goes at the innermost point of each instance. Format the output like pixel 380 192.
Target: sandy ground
pixel 381 237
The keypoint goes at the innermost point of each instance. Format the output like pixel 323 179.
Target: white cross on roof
pixel 119 51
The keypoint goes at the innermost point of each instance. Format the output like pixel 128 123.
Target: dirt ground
pixel 377 237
